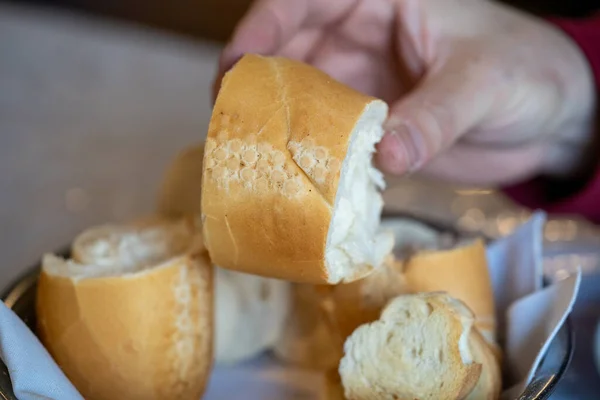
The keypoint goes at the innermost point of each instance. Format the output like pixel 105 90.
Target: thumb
pixel 442 108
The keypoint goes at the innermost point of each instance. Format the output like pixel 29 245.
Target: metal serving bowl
pixel 21 299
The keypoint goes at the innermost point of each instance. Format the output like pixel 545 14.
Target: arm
pixel 580 194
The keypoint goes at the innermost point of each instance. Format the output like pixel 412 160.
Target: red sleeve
pixel 532 194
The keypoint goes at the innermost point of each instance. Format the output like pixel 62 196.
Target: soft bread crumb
pixel 332 388
pixel 489 385
pixel 321 317
pixel 116 250
pixel 416 350
pixel 252 305
pixel 354 243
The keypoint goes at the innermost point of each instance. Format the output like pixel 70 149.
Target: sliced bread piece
pixel 418 349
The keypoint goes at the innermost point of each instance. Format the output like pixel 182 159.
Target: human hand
pixel 479 93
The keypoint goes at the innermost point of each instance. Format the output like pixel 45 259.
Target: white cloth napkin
pixel 529 317
pixel 33 372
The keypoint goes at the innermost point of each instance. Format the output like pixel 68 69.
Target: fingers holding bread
pixel 131 315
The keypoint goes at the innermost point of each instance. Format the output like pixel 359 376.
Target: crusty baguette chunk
pixel 130 317
pixel 418 349
pixel 289 190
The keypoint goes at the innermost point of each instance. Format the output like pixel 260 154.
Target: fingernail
pixel 409 146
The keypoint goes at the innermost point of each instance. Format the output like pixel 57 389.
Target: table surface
pixel 91 113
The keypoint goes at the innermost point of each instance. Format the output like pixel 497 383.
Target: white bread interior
pixel 249 315
pixel 418 349
pixel 288 157
pixel 130 317
pixel 307 339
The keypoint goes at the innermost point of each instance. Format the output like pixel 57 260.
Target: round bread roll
pixel 463 273
pixel 418 349
pixel 181 188
pixel 130 317
pixel 289 190
pixel 250 313
pixel 322 317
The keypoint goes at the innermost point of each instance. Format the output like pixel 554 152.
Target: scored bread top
pixel 276 143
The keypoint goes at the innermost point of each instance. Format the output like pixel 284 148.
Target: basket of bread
pixel 268 272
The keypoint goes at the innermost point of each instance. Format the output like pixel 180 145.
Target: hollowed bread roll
pixel 130 316
pixel 289 190
pixel 418 349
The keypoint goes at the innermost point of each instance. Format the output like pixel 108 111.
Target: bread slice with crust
pixel 289 190
pixel 130 317
pixel 418 349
